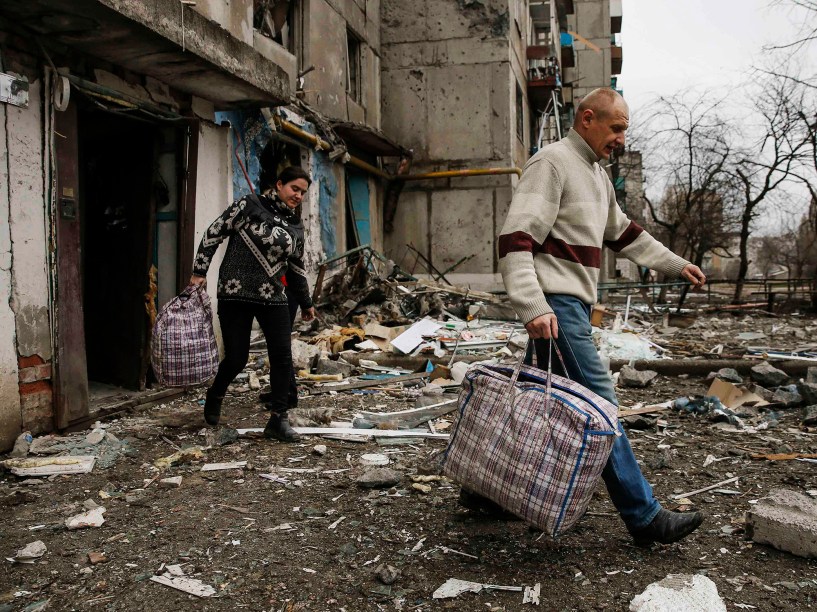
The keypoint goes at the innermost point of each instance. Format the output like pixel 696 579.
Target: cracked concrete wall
pixel 325 29
pixel 10 413
pixel 450 73
pixel 235 16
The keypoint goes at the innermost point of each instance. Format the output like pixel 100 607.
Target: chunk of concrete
pixel 679 593
pixel 767 375
pixel 809 391
pixel 810 415
pixel 788 397
pixel 303 354
pixel 630 377
pixel 730 374
pixel 379 478
pixel 811 375
pixel 171 483
pixel 786 520
pixel 328 366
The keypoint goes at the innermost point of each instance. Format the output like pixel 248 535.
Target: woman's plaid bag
pixel 533 442
pixel 183 346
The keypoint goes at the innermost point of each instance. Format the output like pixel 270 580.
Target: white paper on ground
pixel 187 585
pixel 413 336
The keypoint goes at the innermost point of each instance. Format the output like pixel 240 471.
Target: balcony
pixel 544 76
pixel 616 59
pixel 615 16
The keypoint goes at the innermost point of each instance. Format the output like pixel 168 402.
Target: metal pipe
pixel 322 144
pixel 459 173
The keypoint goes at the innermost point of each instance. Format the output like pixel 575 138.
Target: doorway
pixel 117 158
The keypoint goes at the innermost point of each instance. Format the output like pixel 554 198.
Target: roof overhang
pixel 165 40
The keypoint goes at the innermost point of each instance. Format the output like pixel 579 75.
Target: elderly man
pixel 563 211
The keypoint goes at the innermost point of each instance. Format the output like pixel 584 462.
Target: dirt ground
pixel 319 542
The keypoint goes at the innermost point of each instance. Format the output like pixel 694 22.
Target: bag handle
pixel 549 386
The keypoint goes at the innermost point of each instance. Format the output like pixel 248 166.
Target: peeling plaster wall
pixel 449 75
pixel 214 192
pixel 27 221
pixel 10 413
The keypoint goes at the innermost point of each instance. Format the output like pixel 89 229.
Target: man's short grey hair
pixel 600 101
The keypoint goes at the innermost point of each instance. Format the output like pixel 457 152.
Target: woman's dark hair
pixel 293 173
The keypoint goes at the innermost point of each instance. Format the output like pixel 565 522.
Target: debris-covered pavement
pixel 170 513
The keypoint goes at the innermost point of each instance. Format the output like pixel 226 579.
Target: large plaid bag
pixel 533 442
pixel 183 346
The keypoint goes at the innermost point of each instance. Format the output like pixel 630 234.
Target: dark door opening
pixel 118 204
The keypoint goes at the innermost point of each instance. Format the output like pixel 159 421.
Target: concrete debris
pixel 788 397
pixel 810 415
pixel 303 354
pixel 29 553
pixel 786 520
pixel 767 375
pixel 379 478
pixel 811 375
pixel 91 518
pixel 221 436
pixel 387 574
pixel 729 375
pixel 171 483
pixel 679 593
pixel 454 587
pixel 319 449
pixel 809 392
pixel 630 377
pixel 374 459
pixel 328 366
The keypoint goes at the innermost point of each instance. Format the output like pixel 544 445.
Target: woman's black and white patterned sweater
pixel 266 243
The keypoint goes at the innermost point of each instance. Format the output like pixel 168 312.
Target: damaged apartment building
pixel 126 127
pixel 475 87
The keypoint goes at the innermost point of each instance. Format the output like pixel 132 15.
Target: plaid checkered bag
pixel 533 442
pixel 183 345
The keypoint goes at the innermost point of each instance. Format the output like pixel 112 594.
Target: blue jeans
pixel 629 490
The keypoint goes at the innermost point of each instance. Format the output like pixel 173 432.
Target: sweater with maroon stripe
pixel 563 210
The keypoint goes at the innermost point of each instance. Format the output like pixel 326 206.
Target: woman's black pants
pixel 236 327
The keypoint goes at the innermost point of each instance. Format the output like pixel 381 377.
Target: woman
pixel 266 244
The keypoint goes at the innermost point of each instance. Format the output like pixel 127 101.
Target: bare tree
pixel 774 158
pixel 687 148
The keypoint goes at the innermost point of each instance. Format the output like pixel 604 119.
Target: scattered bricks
pixel 767 375
pixel 809 391
pixel 786 520
pixel 96 558
pixel 29 362
pixel 810 415
pixel 171 483
pixel 630 377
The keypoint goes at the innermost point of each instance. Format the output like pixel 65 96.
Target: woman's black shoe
pixel 278 428
pixel 212 408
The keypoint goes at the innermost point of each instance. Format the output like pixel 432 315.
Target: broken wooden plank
pixel 644 410
pixel 784 456
pixel 229 465
pixel 413 417
pixel 370 433
pixel 191 586
pixel 48 466
pixel 370 383
pixel 717 485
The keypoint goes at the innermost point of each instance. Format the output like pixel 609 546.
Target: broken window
pixel 353 65
pixel 277 19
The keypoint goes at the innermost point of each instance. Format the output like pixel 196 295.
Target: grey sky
pixel 670 45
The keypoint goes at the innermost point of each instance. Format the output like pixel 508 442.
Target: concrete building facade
pixel 476 85
pixel 131 124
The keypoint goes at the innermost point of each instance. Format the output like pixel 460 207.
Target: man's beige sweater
pixel 563 211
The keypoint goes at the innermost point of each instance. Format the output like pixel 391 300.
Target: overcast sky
pixel 670 45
